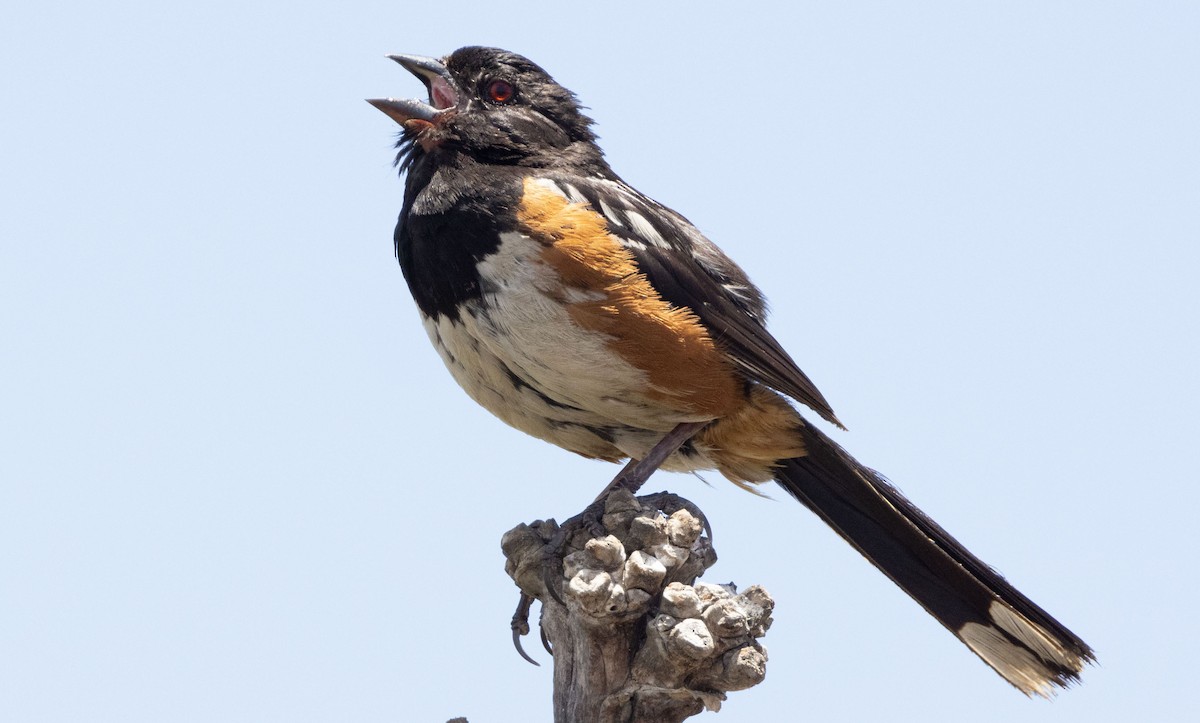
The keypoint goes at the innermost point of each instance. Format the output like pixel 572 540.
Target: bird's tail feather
pixel 1018 639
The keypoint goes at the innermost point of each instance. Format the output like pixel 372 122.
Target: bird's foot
pixel 520 628
pixel 543 556
pixel 556 539
pixel 586 525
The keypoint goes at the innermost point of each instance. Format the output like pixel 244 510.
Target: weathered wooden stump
pixel 636 638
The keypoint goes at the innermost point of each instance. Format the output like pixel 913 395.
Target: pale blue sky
pixel 236 483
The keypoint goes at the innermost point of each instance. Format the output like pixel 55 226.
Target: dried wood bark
pixel 636 639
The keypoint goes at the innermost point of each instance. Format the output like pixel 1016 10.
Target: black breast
pixel 452 218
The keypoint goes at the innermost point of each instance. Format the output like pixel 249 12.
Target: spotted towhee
pixel 586 314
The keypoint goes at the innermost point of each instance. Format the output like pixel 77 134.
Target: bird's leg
pixel 637 471
pixel 630 478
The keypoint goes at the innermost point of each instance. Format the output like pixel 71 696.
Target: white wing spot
pixel 739 291
pixel 645 229
pixel 574 194
pixel 610 214
pixel 550 185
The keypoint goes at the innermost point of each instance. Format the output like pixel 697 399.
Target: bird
pixel 584 313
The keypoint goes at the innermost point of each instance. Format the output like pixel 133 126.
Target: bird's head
pixel 493 105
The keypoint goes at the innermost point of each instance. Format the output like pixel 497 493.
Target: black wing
pixel 690 271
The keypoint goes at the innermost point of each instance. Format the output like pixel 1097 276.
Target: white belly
pixel 517 352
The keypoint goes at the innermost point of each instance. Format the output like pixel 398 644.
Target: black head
pixel 495 106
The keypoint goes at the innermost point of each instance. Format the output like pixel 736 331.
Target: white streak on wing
pixel 550 185
pixel 574 194
pixel 618 188
pixel 610 214
pixel 740 291
pixel 645 229
pixel 561 188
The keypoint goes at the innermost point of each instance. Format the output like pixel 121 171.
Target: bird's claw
pixel 590 520
pixel 520 627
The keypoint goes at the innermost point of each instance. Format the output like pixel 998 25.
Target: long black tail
pixel 1022 642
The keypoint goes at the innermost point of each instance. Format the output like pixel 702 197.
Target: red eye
pixel 500 91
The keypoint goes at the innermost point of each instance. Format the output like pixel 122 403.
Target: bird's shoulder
pixel 684 265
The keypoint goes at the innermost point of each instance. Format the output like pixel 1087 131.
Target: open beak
pixel 440 86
